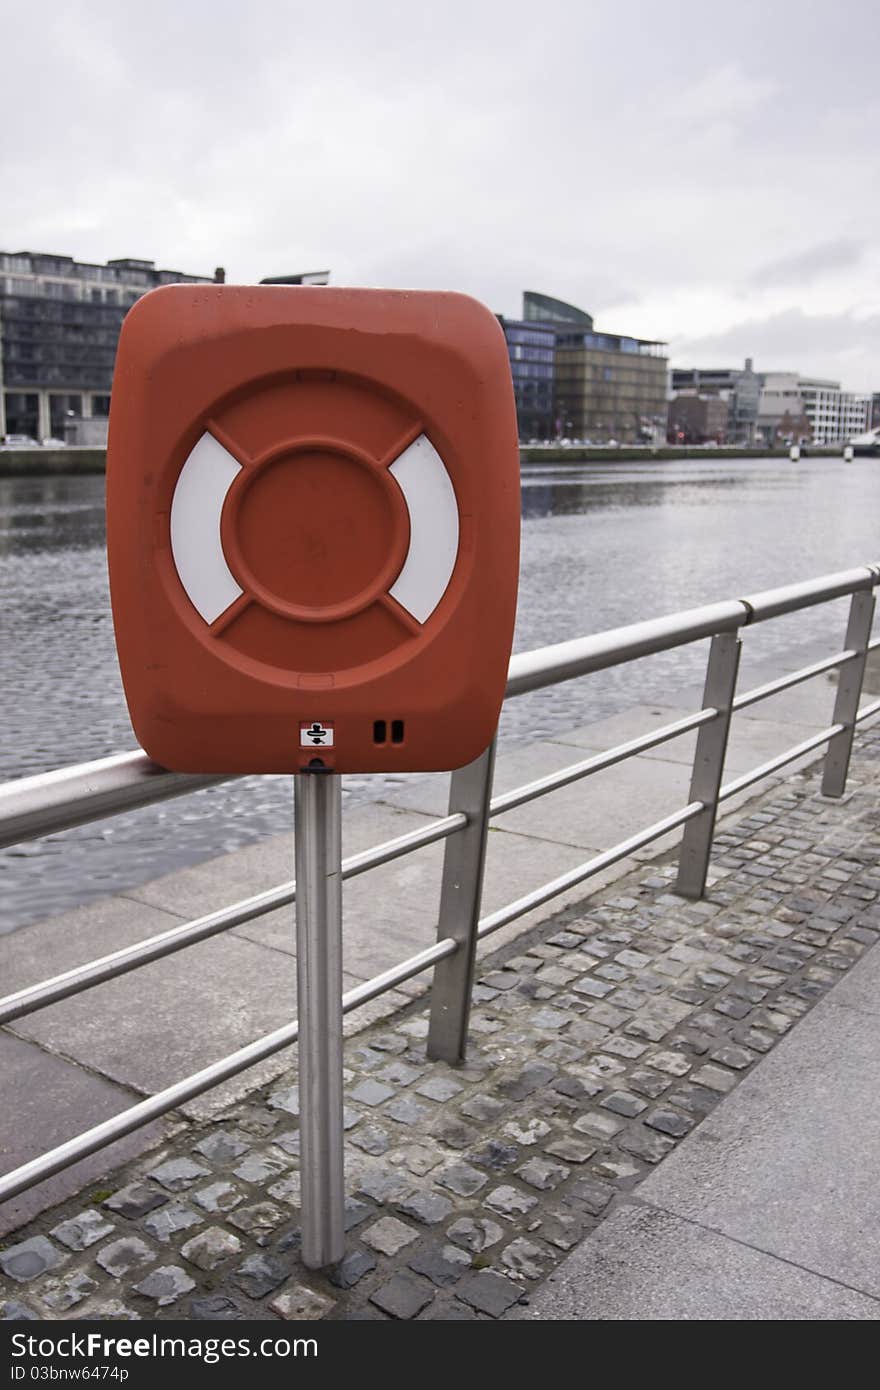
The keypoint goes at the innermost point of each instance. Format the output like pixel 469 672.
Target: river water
pixel 602 545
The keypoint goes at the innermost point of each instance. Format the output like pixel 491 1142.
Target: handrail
pixel 508 801
pixel 763 692
pixel 790 598
pixel 166 943
pixel 66 797
pixel 573 877
pixel 75 795
pixel 748 779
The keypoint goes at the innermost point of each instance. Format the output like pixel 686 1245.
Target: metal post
pixel 470 791
pixel 849 690
pixel 708 768
pixel 318 809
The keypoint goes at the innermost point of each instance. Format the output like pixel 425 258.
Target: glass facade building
pixel 59 326
pixel 532 351
pixel 573 382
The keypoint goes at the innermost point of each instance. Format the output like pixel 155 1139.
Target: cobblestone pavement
pixel 599 1040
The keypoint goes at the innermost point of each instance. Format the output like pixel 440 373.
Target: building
pixel 739 388
pixel 832 415
pixel 59 325
pixel 303 277
pixel 532 351
pixel 697 419
pixel 855 414
pixel 573 382
pixel 782 412
pixel 777 407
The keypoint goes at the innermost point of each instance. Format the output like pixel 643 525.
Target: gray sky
pixel 704 173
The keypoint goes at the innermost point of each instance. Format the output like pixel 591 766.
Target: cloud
pixel 804 267
pixel 840 346
pixel 727 93
pixel 630 160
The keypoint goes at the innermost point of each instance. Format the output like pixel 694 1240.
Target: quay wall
pixel 39 462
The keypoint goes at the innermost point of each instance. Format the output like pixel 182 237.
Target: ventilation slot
pixel 397 731
pixel 380 731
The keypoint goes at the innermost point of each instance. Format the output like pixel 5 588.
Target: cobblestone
pixel 300 1303
pixel 403 1296
pixel 83 1230
pixel 29 1259
pixel 389 1236
pixel 209 1248
pixel 600 1038
pixel 165 1286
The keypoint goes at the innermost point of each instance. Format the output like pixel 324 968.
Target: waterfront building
pixel 571 381
pixel 782 414
pixel 738 387
pixel 531 348
pixel 855 414
pixel 834 415
pixel 302 277
pixel 771 407
pixel 59 325
pixel 696 418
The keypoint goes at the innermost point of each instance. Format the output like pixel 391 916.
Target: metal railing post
pixel 849 691
pixel 318 815
pixel 708 768
pixel 470 791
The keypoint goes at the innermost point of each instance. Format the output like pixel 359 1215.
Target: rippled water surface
pixel 602 545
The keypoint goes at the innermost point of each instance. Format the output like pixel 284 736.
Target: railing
pixel 74 796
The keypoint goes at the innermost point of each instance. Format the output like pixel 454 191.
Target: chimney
pixel 220 276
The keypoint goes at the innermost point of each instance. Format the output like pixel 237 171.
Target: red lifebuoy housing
pixel 313 527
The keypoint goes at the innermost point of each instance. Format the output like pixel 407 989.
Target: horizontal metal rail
pixel 773 603
pixel 205 1080
pixel 507 801
pixel 54 801
pixel 757 773
pixel 572 877
pixel 867 710
pixel 551 665
pixel 96 972
pixel 763 692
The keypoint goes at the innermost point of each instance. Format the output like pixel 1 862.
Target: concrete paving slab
pixel 645 1265
pixel 590 815
pixel 231 877
pixel 129 1029
pixel 43 1101
pixel 810 703
pixel 789 1162
pixel 73 938
pixel 752 740
pixel 403 898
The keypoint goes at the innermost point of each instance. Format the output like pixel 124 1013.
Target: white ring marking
pixel 433 528
pixel 201 566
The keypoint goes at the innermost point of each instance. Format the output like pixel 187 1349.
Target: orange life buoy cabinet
pixel 312 527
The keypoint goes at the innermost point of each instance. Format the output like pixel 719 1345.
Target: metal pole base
pixel 319 992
